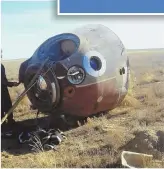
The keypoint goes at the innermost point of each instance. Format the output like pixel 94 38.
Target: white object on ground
pixel 135 160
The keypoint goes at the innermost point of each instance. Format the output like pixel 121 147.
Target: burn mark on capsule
pixel 69 91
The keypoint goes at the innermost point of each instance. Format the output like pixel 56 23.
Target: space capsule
pixel 87 72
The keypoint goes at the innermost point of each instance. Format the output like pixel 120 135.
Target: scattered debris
pixel 41 139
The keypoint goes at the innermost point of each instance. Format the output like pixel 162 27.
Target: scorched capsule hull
pixel 87 72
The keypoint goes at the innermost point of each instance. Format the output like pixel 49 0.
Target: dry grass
pixel 130 100
pixel 44 159
pixel 148 78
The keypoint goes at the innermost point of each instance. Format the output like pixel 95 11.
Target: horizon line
pixel 126 49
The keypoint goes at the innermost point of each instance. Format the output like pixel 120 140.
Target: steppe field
pixel 137 125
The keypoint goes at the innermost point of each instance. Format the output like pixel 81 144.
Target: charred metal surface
pixel 60 70
pixel 90 71
pixel 85 98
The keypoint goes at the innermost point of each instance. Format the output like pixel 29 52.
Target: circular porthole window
pixel 76 75
pixel 95 63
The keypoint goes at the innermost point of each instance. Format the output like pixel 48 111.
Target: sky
pixel 27 24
